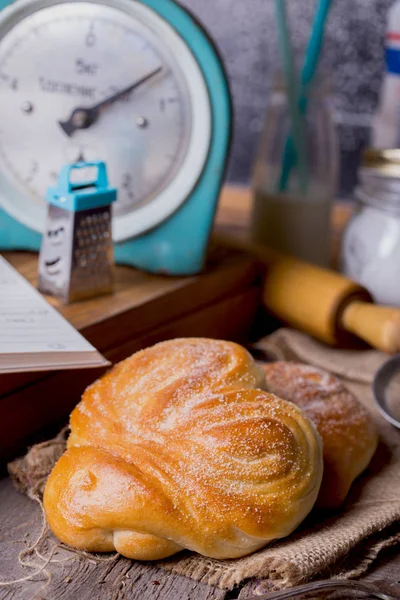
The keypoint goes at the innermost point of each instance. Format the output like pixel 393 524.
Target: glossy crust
pixel 175 448
pixel 347 430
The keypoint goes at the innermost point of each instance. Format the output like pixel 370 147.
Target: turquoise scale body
pixel 178 245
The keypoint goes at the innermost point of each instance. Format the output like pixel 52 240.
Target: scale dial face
pixel 62 66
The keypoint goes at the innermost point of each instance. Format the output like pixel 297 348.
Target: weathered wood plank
pixel 387 567
pixel 81 579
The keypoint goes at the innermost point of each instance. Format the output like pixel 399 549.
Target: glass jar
pixel 370 252
pixel 296 220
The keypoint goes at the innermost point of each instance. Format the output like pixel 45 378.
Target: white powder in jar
pixel 371 253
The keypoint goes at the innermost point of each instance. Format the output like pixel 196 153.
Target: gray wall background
pixel 353 56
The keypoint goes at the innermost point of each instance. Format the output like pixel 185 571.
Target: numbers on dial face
pixel 71 56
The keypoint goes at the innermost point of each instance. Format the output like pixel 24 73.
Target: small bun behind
pixel 347 430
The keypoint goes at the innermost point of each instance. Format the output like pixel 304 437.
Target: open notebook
pixel 33 335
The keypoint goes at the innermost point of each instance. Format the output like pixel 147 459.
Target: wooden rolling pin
pixel 326 304
pixel 321 302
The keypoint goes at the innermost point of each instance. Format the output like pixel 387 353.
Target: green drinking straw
pixel 291 90
pixel 311 60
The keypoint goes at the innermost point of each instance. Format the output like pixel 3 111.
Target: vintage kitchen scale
pixel 134 83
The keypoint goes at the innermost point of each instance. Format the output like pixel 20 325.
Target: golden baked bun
pixel 347 430
pixel 175 448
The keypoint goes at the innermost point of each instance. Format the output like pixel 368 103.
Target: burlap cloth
pixel 341 544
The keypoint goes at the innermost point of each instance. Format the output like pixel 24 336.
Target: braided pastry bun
pixel 176 448
pixel 347 430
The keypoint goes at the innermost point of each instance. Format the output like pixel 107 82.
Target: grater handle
pixel 67 186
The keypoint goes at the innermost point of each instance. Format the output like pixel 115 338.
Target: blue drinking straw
pixel 291 90
pixel 311 60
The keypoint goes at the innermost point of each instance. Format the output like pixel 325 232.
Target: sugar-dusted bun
pixel 174 448
pixel 347 430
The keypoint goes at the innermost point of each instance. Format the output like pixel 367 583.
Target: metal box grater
pixel 76 254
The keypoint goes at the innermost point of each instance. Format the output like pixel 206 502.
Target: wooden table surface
pixel 80 579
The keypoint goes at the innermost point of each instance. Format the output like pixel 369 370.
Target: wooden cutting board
pixel 144 309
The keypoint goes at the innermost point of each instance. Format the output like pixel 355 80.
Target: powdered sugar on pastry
pixel 176 448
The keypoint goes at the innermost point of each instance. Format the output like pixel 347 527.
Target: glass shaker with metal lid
pixel 370 252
